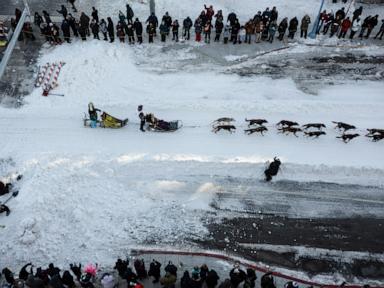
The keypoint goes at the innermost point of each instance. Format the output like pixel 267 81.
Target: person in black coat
pixel 212 279
pixel 84 22
pixel 23 274
pixel 167 20
pixel 72 24
pixel 234 31
pixel 130 14
pixel 219 26
pixel 139 30
pixel 121 266
pixel 95 14
pixel 66 30
pixel 282 28
pixel 293 27
pixel 357 13
pixel 237 276
pixel 231 18
pixel 95 29
pixel 153 20
pixel 187 24
pixel 67 279
pixel 171 268
pixel 185 280
pixel 130 30
pixel 8 275
pixel 63 11
pixel 154 270
pixel 111 30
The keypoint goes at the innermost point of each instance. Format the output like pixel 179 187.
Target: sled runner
pixel 107 121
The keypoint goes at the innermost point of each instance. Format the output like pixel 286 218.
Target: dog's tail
pixel 335 122
pixel 246 120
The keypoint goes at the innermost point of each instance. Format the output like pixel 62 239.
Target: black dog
pixel 371 132
pixel 260 129
pixel 343 126
pixel 314 134
pixel 287 123
pixel 287 130
pixel 273 169
pixel 229 128
pixel 255 121
pixel 314 125
pixel 376 137
pixel 347 137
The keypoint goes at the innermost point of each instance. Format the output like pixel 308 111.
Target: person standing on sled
pixel 93 114
pixel 142 117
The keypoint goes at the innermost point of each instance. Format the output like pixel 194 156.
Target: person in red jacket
pixel 345 25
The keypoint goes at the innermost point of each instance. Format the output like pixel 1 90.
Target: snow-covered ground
pixel 93 193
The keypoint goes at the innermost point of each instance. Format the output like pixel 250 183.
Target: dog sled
pixel 107 121
pixel 158 125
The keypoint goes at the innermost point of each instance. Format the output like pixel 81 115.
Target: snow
pixel 91 194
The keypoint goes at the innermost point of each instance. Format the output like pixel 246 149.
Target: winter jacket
pixel 345 25
pixel 110 28
pixel 305 22
pixel 138 27
pixel 164 29
pixel 237 276
pixel 219 25
pixel 283 26
pixel 272 28
pixel 249 27
pixel 187 23
pixel 212 279
pixel 293 24
pixel 153 19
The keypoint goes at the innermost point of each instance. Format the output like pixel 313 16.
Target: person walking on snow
pixel 198 29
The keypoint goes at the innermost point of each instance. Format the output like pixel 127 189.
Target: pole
pixel 312 35
pixel 12 43
pixel 152 6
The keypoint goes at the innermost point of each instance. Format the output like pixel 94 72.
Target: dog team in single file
pixel 287 127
